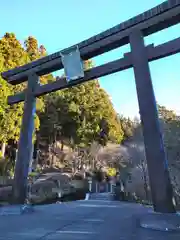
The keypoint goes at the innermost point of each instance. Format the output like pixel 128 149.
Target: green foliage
pixel 6 167
pixel 79 115
pixel 12 54
pixel 165 114
pixel 127 126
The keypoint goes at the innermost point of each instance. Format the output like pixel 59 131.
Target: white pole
pixel 90 187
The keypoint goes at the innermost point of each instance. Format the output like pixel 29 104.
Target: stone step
pixel 100 196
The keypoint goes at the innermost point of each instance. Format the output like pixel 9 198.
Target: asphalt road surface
pixel 81 220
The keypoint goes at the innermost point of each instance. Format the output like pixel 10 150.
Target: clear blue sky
pixel 58 24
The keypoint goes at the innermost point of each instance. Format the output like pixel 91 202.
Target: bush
pixel 99 176
pixel 79 194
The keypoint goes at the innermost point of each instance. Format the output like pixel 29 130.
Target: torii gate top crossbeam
pixel 153 53
pixel 153 20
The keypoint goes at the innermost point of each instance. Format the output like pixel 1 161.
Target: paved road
pixel 81 220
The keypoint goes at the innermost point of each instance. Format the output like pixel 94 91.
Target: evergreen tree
pixel 12 54
pixel 78 114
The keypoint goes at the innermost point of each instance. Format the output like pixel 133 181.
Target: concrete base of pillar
pixel 16 210
pixel 161 221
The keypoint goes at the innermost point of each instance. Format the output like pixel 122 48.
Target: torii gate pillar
pixel 25 143
pixel 161 189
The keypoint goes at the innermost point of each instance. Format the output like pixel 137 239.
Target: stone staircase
pixel 101 196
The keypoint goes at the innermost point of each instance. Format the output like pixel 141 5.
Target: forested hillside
pixel 82 117
pixel 75 117
pixel 79 115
